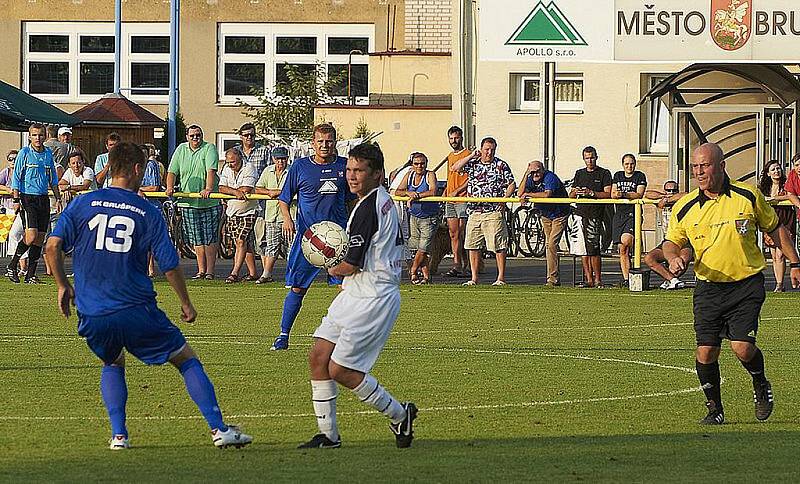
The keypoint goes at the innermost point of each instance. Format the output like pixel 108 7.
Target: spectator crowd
pixel 470 231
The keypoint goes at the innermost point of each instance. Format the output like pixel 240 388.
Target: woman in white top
pixel 77 178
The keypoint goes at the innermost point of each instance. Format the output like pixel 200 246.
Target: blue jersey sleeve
pixel 164 252
pixel 65 228
pixel 290 187
pixel 53 172
pixel 19 168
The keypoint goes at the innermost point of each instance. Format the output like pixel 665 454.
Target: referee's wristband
pixel 794 265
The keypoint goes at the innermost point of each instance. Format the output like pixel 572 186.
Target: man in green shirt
pixel 194 164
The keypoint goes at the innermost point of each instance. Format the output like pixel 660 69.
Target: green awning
pixel 18 110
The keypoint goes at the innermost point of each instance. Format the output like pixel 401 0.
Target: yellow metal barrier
pixel 638 204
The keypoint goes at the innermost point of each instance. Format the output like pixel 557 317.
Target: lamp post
pixel 350 98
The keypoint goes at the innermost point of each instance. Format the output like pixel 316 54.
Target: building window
pixel 296 45
pixel 149 75
pixel 252 58
pixel 74 61
pixel 655 119
pixel 345 45
pixel 48 78
pixel 97 44
pixel 97 77
pixel 526 92
pixel 358 80
pixel 48 43
pixel 150 44
pixel 244 79
pixel 245 45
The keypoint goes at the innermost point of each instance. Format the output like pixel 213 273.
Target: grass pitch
pixel 517 383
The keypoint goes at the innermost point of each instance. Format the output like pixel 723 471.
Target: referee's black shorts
pixel 728 310
pixel 35 211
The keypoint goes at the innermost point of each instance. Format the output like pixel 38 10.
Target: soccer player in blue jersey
pixel 320 186
pixel 110 233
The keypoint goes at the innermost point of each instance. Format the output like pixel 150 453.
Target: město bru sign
pixel 635 31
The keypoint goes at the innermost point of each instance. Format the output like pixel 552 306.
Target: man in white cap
pixel 59 140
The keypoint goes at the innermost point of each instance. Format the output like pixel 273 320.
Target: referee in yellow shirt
pixel 720 220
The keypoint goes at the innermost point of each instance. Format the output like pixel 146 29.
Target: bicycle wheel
pixel 520 221
pixel 181 240
pixel 227 246
pixel 534 234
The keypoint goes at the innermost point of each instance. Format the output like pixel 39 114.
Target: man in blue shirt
pixel 322 193
pixel 111 231
pixel 541 183
pixel 35 172
pixel 102 170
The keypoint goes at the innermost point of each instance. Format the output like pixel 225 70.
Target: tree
pixel 288 112
pixel 180 136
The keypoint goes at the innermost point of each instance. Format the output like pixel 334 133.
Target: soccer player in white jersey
pixel 358 323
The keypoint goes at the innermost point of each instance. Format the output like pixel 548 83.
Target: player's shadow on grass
pixel 724 452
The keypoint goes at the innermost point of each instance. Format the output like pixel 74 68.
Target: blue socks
pixel 291 308
pixel 115 396
pixel 201 390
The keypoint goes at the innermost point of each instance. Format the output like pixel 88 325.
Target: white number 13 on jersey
pixel 124 229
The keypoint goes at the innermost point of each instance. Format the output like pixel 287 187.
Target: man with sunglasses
pixel 194 165
pixel 541 183
pixel 258 157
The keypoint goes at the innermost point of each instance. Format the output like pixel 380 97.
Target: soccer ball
pixel 324 244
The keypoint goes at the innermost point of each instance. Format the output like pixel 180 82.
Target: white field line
pixel 444 408
pixel 11 338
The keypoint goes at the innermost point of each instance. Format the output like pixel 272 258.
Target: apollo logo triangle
pixel 546 25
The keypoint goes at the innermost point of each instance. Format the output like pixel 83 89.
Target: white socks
pixel 373 394
pixel 323 395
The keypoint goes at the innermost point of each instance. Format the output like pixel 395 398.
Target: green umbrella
pixel 18 110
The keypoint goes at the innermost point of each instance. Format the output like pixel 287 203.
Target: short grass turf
pixel 516 383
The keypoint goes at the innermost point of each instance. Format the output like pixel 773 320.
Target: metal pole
pixel 467 72
pixel 547 113
pixel 637 235
pixel 351 99
pixel 117 44
pixel 174 46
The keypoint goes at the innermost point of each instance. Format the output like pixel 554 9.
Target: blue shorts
pixel 145 331
pixel 300 272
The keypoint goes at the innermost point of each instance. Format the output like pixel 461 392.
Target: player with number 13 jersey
pixel 100 227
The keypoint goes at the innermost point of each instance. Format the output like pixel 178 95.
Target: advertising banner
pixel 545 30
pixel 758 31
pixel 707 31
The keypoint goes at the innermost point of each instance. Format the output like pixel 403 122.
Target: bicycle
pixel 172 215
pixel 526 232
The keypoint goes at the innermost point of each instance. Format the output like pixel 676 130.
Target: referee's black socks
pixel 22 247
pixel 756 367
pixel 708 374
pixel 34 253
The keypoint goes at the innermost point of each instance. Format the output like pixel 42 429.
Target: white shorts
pixel 359 327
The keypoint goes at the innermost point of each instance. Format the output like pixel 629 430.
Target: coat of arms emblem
pixel 731 24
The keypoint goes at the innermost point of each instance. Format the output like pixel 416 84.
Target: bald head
pixel 711 151
pixel 708 167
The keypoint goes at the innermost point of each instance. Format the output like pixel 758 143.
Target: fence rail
pixel 638 204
